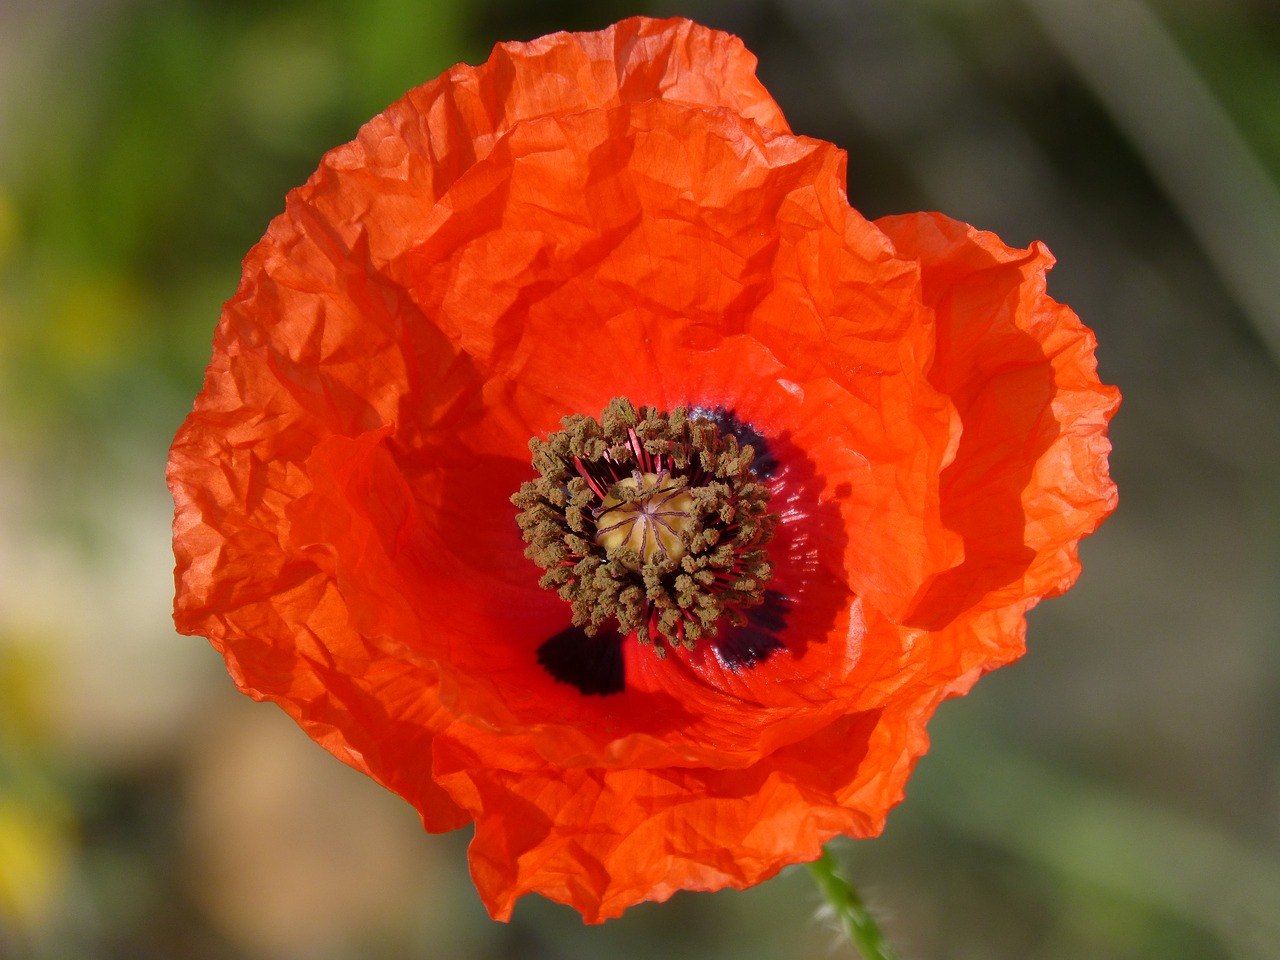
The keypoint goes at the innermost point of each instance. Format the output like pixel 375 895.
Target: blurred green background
pixel 1114 795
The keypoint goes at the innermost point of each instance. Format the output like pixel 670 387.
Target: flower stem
pixel 860 927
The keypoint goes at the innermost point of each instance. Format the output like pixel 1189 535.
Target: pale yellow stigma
pixel 652 524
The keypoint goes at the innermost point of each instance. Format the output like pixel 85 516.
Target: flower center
pixel 654 521
pixel 652 526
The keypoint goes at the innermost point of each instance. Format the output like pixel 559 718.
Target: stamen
pixel 649 524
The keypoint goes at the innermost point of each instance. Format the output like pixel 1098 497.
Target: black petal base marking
pixel 594 665
pixel 756 640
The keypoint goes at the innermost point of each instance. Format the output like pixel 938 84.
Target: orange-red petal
pixel 624 213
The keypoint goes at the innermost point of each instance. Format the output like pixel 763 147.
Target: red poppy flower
pixel 612 245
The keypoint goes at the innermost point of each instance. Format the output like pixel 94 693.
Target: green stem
pixel 860 927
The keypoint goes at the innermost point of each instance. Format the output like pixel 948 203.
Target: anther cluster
pixel 651 519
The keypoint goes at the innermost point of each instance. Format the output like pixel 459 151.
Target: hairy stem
pixel 860 927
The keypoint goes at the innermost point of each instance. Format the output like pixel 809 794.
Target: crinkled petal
pixel 1029 479
pixel 587 216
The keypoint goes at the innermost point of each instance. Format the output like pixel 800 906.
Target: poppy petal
pixel 1029 479
pixel 625 214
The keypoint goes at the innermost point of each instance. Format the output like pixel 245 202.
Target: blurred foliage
pixel 1234 48
pixel 35 817
pixel 144 147
pixel 137 181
